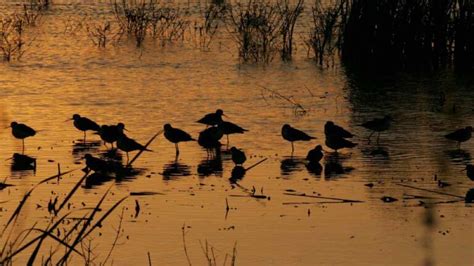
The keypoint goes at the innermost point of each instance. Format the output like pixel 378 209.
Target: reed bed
pixel 61 238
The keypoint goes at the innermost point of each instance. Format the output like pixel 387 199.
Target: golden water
pixel 62 74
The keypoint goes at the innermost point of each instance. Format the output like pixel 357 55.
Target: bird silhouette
pixel 315 155
pixel 460 135
pixel 127 145
pixel 238 156
pixel 470 171
pixel 209 138
pixel 229 128
pixel 96 164
pixel 378 125
pixel 334 130
pixel 292 134
pixel 110 134
pixel 212 119
pixel 84 124
pixel 22 131
pixel 176 135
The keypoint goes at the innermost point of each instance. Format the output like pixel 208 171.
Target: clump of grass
pixel 103 32
pixel 149 17
pixel 206 28
pixel 12 39
pixel 255 27
pixel 63 236
pixel 326 23
pixel 290 14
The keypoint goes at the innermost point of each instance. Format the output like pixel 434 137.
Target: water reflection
pixel 80 148
pixel 333 166
pixel 175 169
pixel 22 162
pixel 290 165
pixel 96 179
pixel 314 168
pixel 377 153
pixel 212 165
pixel 459 156
pixel 238 173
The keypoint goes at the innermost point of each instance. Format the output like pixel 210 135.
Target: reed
pixel 255 26
pixel 38 236
pixel 290 14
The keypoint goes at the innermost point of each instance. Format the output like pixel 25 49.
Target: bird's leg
pixel 84 137
pixel 227 141
pixel 23 146
pixel 292 149
pixel 370 136
pixel 177 149
pixel 378 136
pixel 127 158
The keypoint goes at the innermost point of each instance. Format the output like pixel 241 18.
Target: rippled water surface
pixel 64 73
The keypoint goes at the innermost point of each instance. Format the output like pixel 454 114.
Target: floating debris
pixel 388 199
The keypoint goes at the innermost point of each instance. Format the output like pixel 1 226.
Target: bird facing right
pixel 22 131
pixel 460 135
pixel 292 134
pixel 176 135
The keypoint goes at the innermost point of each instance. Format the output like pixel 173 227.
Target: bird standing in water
pixel 315 155
pixel 212 119
pixel 84 124
pixel 378 125
pixel 469 171
pixel 127 145
pixel 110 134
pixel 460 135
pixel 209 138
pixel 292 134
pixel 22 131
pixel 176 135
pixel 231 128
pixel 334 130
pixel 238 156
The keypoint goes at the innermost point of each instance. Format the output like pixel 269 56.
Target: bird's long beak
pixel 225 115
pixel 70 119
pixel 463 170
pixel 11 158
pixel 8 127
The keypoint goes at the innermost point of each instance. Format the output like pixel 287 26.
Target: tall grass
pixel 62 236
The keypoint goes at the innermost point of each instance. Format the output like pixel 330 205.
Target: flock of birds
pixel 336 137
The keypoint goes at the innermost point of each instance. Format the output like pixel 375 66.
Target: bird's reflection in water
pixel 22 162
pixel 314 168
pixel 80 148
pixel 291 164
pixel 377 153
pixel 112 154
pixel 333 166
pixel 97 179
pixel 238 173
pixel 175 169
pixel 212 165
pixel 459 156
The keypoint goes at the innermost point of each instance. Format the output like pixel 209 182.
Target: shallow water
pixel 62 74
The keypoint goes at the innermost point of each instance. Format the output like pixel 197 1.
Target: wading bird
pixel 238 156
pixel 470 171
pixel 209 138
pixel 84 124
pixel 315 155
pixel 176 135
pixel 460 135
pixel 231 128
pixel 127 145
pixel 22 131
pixel 110 134
pixel 212 119
pixel 292 134
pixel 334 130
pixel 378 125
